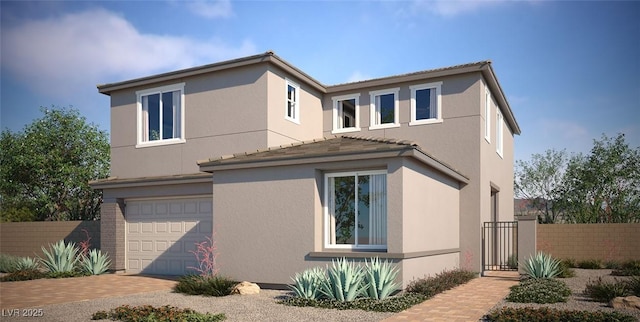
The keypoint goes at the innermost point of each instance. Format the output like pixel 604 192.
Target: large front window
pixel 160 115
pixel 384 108
pixel 356 212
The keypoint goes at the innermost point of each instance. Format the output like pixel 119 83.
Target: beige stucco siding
pixel 431 209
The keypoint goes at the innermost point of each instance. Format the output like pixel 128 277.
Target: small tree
pixel 45 169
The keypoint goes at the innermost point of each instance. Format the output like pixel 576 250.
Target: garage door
pixel 161 233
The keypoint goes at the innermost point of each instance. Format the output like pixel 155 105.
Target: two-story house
pixel 288 173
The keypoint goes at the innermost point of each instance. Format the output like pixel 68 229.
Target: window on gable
pixel 293 102
pixel 384 108
pixel 499 137
pixel 487 115
pixel 356 212
pixel 161 115
pixel 346 115
pixel 426 103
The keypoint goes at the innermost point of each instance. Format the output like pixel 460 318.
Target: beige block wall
pixel 27 238
pixel 590 241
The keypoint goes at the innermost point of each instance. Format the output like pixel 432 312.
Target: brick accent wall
pixel 590 241
pixel 112 227
pixel 27 238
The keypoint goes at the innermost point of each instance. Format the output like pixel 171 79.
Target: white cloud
pixel 357 76
pixel 449 8
pixel 59 55
pixel 211 9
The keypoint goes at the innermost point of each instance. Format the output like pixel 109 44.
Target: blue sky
pixel 570 70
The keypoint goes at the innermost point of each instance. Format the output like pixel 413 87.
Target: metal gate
pixel 500 246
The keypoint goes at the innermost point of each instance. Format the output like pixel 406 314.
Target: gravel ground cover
pixel 577 300
pixel 260 307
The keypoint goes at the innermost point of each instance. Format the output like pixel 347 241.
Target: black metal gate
pixel 500 246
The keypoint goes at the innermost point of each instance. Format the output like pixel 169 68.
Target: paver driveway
pixel 26 294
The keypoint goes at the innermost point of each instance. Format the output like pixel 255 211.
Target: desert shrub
pixel 8 263
pixel 541 265
pixel 612 264
pixel 94 262
pixel 602 291
pixel 590 264
pixel 539 290
pixel 60 257
pixel 26 263
pixel 205 285
pixel 307 284
pixel 628 268
pixel 345 281
pixel 634 285
pixel 390 304
pixel 543 314
pixel 24 275
pixel 565 271
pixel 569 262
pixel 430 286
pixel 380 278
pixel 166 313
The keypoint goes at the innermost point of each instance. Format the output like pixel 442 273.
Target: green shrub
pixel 543 314
pixel 612 264
pixel 166 313
pixel 390 304
pixel 380 278
pixel 430 286
pixel 8 263
pixel 345 281
pixel 542 265
pixel 24 275
pixel 205 285
pixel 602 291
pixel 60 257
pixel 307 284
pixel 569 262
pixel 634 285
pixel 565 270
pixel 26 263
pixel 628 268
pixel 95 263
pixel 539 290
pixel 590 264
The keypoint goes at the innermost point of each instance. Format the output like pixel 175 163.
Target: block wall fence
pixel 27 238
pixel 606 242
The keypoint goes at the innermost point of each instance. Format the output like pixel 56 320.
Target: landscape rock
pixel 629 302
pixel 246 288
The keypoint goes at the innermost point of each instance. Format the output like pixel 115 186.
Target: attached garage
pixel 161 233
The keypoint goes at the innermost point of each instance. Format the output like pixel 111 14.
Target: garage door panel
pixel 161 234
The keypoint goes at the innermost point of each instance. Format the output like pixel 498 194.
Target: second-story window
pixel 425 103
pixel 346 115
pixel 384 108
pixel 293 102
pixel 499 127
pixel 161 115
pixel 487 115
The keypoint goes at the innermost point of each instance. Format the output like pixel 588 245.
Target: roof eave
pixel 494 84
pixel 115 182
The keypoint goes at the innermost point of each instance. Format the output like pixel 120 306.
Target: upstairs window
pixel 356 212
pixel 426 103
pixel 161 115
pixel 487 115
pixel 384 108
pixel 499 126
pixel 346 115
pixel 293 102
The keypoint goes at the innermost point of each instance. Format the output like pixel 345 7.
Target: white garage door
pixel 161 234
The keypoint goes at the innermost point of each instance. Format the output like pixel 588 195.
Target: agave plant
pixel 307 284
pixel 380 278
pixel 27 264
pixel 542 266
pixel 344 281
pixel 61 257
pixel 95 263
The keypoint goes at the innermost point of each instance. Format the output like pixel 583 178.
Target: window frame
pixel 437 86
pixel 140 142
pixel 336 112
pixel 373 111
pixel 295 118
pixel 327 215
pixel 499 133
pixel 487 114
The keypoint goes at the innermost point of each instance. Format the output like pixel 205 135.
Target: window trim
pixel 139 116
pixel 326 219
pixel 499 133
pixel 372 108
pixel 438 92
pixel 335 101
pixel 487 114
pixel 296 107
